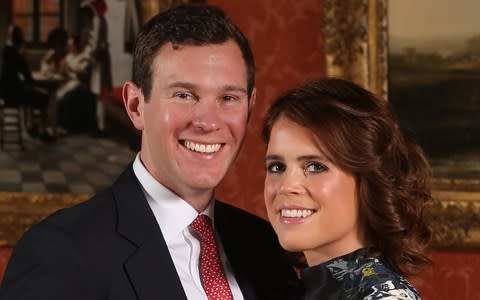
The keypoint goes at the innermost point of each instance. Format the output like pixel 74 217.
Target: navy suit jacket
pixel 111 247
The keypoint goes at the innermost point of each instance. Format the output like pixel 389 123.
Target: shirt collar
pixel 173 214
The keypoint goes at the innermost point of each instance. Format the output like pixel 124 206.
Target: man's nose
pixel 206 116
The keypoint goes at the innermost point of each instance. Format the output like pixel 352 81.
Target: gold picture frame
pixel 19 211
pixel 356 48
pixel 149 8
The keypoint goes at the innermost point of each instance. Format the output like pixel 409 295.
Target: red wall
pixel 5 253
pixel 287 44
pixel 455 276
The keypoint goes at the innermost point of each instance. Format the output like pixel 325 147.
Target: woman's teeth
pixel 296 213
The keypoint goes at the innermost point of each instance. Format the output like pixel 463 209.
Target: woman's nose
pixel 292 183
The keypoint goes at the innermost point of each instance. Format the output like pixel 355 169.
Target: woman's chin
pixel 291 246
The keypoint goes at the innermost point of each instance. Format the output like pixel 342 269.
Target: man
pixel 191 95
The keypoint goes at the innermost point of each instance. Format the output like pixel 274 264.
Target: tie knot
pixel 202 226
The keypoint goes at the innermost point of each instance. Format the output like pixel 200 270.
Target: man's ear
pixel 251 102
pixel 134 102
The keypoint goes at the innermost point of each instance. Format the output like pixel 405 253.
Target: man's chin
pixel 205 184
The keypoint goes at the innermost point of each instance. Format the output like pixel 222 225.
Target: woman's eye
pixel 275 167
pixel 314 167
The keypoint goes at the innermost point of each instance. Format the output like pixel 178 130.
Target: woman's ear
pixel 134 102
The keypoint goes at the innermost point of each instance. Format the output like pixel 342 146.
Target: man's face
pixel 195 120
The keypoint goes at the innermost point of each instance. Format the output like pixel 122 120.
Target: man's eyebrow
pixel 234 88
pixel 181 84
pixel 189 85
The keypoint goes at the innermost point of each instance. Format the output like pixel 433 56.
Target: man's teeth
pixel 296 213
pixel 203 148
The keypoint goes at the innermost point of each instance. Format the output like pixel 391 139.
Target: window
pixel 37 18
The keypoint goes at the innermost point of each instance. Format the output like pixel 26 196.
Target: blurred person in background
pixel 94 40
pixel 17 85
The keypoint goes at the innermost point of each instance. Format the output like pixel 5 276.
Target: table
pixel 50 82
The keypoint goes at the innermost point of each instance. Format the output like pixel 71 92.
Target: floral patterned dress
pixel 356 276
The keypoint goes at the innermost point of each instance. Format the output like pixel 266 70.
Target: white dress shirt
pixel 174 215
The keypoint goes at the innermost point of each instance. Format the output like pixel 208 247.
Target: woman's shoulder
pixel 380 282
pixel 366 277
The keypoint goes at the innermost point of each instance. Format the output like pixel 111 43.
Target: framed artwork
pixel 149 8
pixel 138 12
pixel 76 158
pixel 424 57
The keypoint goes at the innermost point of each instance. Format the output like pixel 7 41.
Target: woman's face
pixel 311 203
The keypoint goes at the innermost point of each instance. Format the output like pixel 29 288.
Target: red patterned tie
pixel 213 277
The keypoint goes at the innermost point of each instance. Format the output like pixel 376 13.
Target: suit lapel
pixel 153 274
pixel 150 269
pixel 233 248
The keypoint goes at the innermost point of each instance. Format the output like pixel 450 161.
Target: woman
pixel 347 189
pixel 76 109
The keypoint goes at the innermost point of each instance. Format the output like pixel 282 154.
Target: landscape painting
pixel 423 57
pixel 434 83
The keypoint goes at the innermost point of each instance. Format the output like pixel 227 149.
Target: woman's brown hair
pixel 360 133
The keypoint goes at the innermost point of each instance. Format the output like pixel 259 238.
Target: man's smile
pixel 202 148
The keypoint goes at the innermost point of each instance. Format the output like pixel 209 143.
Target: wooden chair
pixel 10 125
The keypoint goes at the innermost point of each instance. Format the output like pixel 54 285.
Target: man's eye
pixel 314 167
pixel 275 167
pixel 184 95
pixel 229 98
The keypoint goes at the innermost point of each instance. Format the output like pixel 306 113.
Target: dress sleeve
pixel 392 290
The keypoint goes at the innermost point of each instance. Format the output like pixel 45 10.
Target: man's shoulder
pixel 96 212
pixel 253 250
pixel 238 215
pixel 243 225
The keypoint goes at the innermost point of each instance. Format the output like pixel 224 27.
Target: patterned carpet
pixel 72 164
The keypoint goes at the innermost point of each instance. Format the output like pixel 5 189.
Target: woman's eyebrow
pixel 273 157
